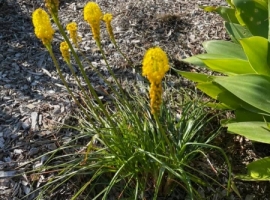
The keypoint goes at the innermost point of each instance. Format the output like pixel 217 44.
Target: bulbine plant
pixel 131 151
pixel 244 63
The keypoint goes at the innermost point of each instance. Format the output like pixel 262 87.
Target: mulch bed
pixel 33 100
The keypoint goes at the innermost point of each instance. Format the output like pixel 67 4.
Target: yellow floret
pixel 93 15
pixel 155 64
pixel 155 97
pixel 42 25
pixel 72 29
pixel 108 18
pixel 65 51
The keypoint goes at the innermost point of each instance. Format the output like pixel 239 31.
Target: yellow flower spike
pixel 65 51
pixel 155 97
pixel 93 15
pixel 42 25
pixel 108 18
pixel 52 6
pixel 72 29
pixel 155 65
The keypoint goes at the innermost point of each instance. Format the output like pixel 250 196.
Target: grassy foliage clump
pixel 139 155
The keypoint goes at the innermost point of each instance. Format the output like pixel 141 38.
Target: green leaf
pixel 194 60
pixel 215 56
pixel 251 88
pixel 230 3
pixel 255 131
pixel 228 14
pixel 224 48
pixel 267 123
pixel 268 22
pixel 198 59
pixel 235 103
pixel 236 31
pixel 218 106
pixel 196 77
pixel 229 99
pixel 228 66
pixel 229 56
pixel 243 115
pixel 210 89
pixel 208 8
pixel 258 170
pixel 257 57
pixel 235 189
pixel 254 15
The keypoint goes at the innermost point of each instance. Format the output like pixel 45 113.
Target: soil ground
pixel 33 99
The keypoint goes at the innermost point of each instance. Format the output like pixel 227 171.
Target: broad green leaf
pixel 208 8
pixel 215 56
pixel 236 31
pixel 234 102
pixel 229 66
pixel 228 14
pixel 197 60
pixel 268 24
pixel 237 104
pixel 262 2
pixel 255 131
pixel 194 60
pixel 243 115
pixel 196 77
pixel 258 170
pixel 227 99
pixel 257 57
pixel 254 15
pixel 210 89
pixel 230 3
pixel 250 88
pixel 224 48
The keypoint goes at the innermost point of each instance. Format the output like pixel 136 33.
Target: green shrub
pixel 245 64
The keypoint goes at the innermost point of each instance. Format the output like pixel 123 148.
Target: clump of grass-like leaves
pixel 137 156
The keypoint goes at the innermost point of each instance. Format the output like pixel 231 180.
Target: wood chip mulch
pixel 33 100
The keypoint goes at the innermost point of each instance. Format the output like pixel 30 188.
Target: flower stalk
pixel 44 32
pixel 52 6
pixel 107 18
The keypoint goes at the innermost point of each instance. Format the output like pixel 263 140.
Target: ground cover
pixel 33 99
